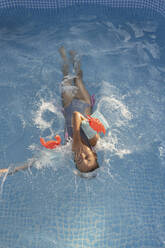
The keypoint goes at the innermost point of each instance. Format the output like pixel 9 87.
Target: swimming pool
pixel 122 56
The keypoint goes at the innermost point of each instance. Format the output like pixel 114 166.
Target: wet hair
pixel 97 165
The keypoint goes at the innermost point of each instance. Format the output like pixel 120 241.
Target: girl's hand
pixel 82 117
pixel 2 171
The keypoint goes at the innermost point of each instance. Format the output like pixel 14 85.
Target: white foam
pixel 112 145
pixel 52 158
pixel 38 115
pixel 115 110
pixel 162 152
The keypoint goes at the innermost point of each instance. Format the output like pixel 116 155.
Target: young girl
pixel 76 107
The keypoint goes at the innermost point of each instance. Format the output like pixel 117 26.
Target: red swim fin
pixel 51 144
pixel 96 125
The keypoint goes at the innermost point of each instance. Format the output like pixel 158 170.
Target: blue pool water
pixel 124 66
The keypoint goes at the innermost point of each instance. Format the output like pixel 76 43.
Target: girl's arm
pixel 76 122
pixel 27 165
pixel 93 141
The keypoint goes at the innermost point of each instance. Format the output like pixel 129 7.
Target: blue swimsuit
pixel 75 105
pixel 80 106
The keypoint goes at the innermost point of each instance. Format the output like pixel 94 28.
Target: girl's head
pixel 86 159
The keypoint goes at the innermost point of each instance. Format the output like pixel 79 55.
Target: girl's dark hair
pixel 96 164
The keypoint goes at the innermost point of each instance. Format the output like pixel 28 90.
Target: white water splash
pixel 44 106
pixel 52 158
pixel 115 110
pixel 111 144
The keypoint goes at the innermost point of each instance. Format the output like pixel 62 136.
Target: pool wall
pixel 155 5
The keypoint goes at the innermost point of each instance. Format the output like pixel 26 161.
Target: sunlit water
pixel 48 205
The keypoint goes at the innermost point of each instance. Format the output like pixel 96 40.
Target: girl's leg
pixel 65 66
pixel 66 95
pixel 82 92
